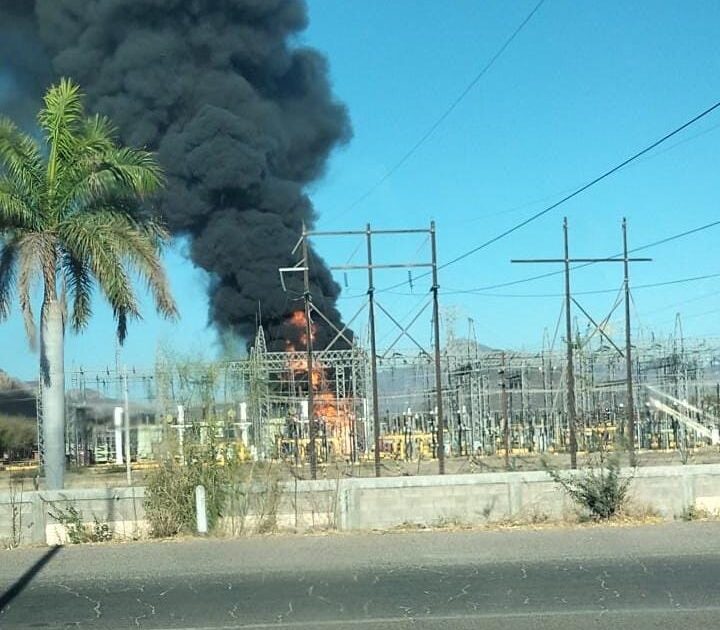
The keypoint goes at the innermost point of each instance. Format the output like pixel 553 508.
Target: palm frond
pixel 15 212
pixel 137 245
pixel 121 317
pixel 8 269
pixel 121 173
pixel 96 136
pixel 141 244
pixel 88 189
pixel 59 119
pixel 92 140
pixel 115 179
pixel 86 239
pixel 138 171
pixel 144 250
pixel 20 157
pixel 79 283
pixel 30 266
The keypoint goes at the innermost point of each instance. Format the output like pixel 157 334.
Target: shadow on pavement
pixel 20 584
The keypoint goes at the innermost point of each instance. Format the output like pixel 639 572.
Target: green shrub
pixel 694 513
pixel 170 489
pixel 170 499
pixel 601 490
pixel 77 531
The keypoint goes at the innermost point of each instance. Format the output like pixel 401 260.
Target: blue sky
pixel 584 86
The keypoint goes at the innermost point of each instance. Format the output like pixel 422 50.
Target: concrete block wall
pixel 451 499
pixel 121 508
pixel 304 505
pixel 18 517
pixel 370 503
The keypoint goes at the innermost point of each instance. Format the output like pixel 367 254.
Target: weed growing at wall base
pixel 601 490
pixel 76 530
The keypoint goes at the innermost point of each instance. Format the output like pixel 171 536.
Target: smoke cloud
pixel 242 117
pixel 24 70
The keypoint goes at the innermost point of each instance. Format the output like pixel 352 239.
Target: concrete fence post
pixel 201 510
pixel 39 513
pixel 342 517
pixel 514 497
pixel 688 482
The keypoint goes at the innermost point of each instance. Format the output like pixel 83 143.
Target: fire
pixel 335 412
pixel 297 365
pixel 300 365
pixel 327 407
pixel 298 321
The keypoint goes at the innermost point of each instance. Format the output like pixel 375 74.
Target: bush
pixel 77 531
pixel 600 490
pixel 170 489
pixel 170 499
pixel 693 513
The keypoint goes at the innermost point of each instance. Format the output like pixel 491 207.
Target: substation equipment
pixel 259 404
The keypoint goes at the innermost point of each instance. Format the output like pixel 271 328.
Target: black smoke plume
pixel 24 70
pixel 242 117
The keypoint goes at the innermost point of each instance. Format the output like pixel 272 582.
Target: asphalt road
pixel 595 577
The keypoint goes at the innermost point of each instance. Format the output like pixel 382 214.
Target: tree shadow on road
pixel 27 577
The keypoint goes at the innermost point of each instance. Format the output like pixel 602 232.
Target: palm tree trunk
pixel 52 372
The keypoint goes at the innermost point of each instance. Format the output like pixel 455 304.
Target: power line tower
pixel 373 306
pixel 569 300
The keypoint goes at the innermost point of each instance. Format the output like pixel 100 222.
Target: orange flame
pixel 299 321
pixel 336 413
pixel 300 365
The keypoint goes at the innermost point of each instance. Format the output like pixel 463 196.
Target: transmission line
pixel 591 292
pixel 431 130
pixel 573 194
pixel 662 241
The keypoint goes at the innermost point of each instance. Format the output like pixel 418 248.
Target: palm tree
pixel 70 215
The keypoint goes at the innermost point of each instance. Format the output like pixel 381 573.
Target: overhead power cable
pixel 591 292
pixel 483 290
pixel 529 204
pixel 582 189
pixel 548 274
pixel 573 194
pixel 674 237
pixel 675 305
pixel 431 130
pixel 662 241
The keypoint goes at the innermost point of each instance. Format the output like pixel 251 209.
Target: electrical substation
pixel 349 401
pixel 260 403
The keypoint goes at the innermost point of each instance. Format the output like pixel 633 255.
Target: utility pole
pixel 544 385
pixel 372 303
pixel 373 350
pixel 566 260
pixel 506 419
pixel 309 346
pixel 128 470
pixel 438 372
pixel 570 367
pixel 628 351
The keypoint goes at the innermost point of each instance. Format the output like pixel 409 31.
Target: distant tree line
pixel 18 438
